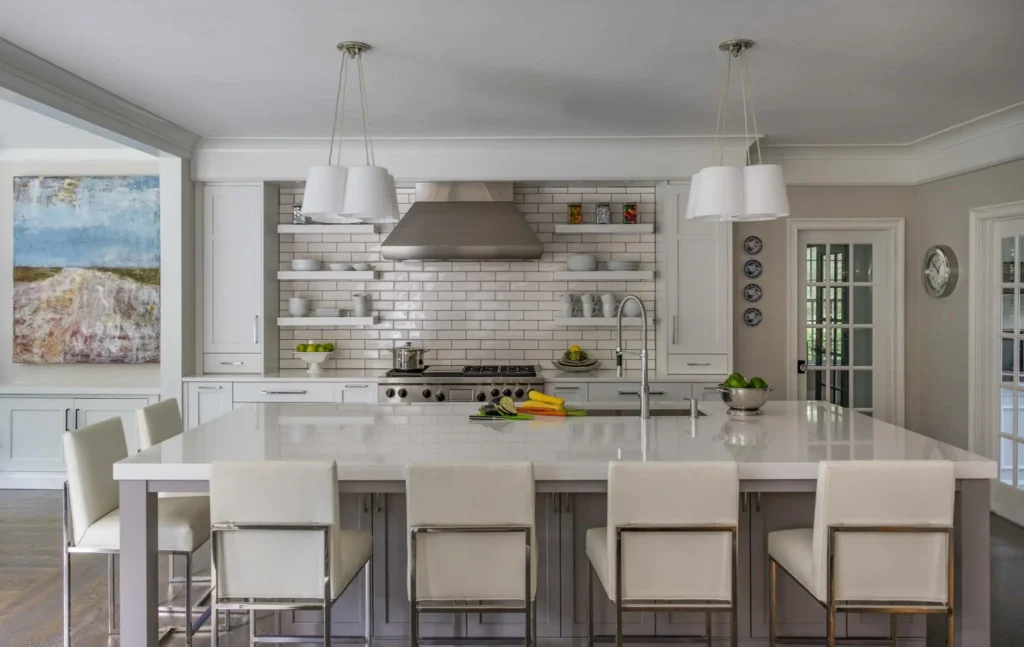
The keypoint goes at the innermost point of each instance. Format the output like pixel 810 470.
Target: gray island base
pixel 777 455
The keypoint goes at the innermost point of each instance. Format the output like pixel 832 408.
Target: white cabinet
pixel 206 401
pixel 30 431
pixel 239 262
pixel 630 392
pixel 88 411
pixel 356 393
pixel 696 283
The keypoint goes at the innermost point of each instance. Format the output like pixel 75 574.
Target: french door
pixel 845 309
pixel 1007 281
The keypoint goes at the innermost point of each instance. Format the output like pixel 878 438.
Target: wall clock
pixel 941 270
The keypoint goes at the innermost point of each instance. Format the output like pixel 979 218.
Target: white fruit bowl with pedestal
pixel 314 360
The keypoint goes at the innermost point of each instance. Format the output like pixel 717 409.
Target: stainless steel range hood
pixel 462 221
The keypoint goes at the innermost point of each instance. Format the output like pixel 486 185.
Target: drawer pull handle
pixel 231 363
pixel 210 388
pixel 302 392
pixel 637 393
pixel 567 388
pixel 698 363
pixel 357 386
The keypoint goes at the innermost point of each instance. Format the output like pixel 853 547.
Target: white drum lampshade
pixel 765 196
pixel 393 194
pixel 366 192
pixel 325 190
pixel 691 201
pixel 720 194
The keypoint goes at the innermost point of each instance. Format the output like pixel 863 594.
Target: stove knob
pixel 402 393
pixel 480 397
pixel 390 393
pixel 507 392
pixel 440 397
pixel 495 393
pixel 520 393
pixel 426 393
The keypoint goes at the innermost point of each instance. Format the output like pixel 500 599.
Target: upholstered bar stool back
pixel 883 566
pixel 276 563
pixel 471 565
pixel 89 455
pixel 669 565
pixel 158 422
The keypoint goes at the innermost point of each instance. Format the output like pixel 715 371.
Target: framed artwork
pixel 87 270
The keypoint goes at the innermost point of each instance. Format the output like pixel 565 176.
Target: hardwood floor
pixel 30 581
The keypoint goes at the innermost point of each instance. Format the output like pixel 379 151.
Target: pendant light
pixel 361 192
pixel 737 193
pixel 370 189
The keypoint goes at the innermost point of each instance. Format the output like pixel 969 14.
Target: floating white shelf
pixel 606 275
pixel 326 275
pixel 597 322
pixel 286 322
pixel 639 228
pixel 326 229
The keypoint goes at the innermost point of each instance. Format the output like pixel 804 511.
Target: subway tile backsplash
pixel 486 312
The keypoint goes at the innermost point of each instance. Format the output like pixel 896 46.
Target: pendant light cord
pixel 753 112
pixel 723 112
pixel 743 93
pixel 367 137
pixel 339 102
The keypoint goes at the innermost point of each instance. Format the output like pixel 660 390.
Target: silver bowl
pixel 744 400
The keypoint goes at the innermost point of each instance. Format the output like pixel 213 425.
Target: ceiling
pixel 823 72
pixel 22 128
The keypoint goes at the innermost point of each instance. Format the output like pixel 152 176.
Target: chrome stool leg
pixel 111 595
pixel 590 604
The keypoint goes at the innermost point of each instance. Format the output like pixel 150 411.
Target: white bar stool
pixel 670 543
pixel 93 526
pixel 158 422
pixel 278 544
pixel 882 542
pixel 471 539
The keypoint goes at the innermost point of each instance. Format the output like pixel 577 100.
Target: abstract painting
pixel 87 270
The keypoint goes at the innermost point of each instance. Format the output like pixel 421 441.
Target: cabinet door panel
pixel 510 625
pixel 89 411
pixel 361 393
pixel 30 433
pixel 206 401
pixel 581 512
pixel 232 268
pixel 390 577
pixel 701 292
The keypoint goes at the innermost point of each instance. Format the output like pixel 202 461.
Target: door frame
pixel 982 312
pixel 892 227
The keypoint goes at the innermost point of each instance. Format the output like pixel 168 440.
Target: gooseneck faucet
pixel 645 386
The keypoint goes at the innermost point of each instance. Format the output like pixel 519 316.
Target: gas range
pixel 457 383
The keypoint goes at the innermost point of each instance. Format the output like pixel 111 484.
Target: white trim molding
pixel 37 84
pixel 58 155
pixel 982 312
pixel 895 227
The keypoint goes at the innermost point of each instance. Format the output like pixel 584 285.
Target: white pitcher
pixel 360 306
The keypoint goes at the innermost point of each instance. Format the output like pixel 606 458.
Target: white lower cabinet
pixel 356 393
pixel 206 401
pixel 31 451
pixel 629 392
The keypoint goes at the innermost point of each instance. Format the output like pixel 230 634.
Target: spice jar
pixel 575 213
pixel 629 212
pixel 604 213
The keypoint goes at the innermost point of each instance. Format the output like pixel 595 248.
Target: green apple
pixel 301 348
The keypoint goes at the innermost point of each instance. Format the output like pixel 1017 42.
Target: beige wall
pixel 940 375
pixel 936 329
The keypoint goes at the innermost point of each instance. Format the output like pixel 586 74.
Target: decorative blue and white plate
pixel 753 245
pixel 752 317
pixel 752 269
pixel 752 292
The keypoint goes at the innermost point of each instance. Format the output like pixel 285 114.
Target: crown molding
pixel 58 155
pixel 37 84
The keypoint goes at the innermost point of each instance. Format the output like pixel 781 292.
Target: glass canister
pixel 604 213
pixel 575 213
pixel 629 212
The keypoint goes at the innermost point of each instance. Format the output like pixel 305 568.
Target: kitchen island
pixel 777 455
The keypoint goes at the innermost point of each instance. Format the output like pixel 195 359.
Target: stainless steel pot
pixel 407 357
pixel 744 399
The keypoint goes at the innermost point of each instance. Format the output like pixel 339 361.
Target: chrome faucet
pixel 645 386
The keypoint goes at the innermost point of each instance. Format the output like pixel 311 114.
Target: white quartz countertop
pixel 355 375
pixel 376 442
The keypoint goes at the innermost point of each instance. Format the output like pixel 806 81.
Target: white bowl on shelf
pixel 622 266
pixel 314 360
pixel 305 264
pixel 362 267
pixel 298 307
pixel 339 267
pixel 581 263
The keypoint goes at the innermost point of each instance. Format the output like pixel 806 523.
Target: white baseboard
pixel 32 480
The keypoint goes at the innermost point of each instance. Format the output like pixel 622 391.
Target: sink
pixel 635 413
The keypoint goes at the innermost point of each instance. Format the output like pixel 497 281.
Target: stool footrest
pixel 599 638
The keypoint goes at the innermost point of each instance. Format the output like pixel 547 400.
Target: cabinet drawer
pixel 283 392
pixel 232 363
pixel 698 364
pixel 356 393
pixel 630 392
pixel 568 391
